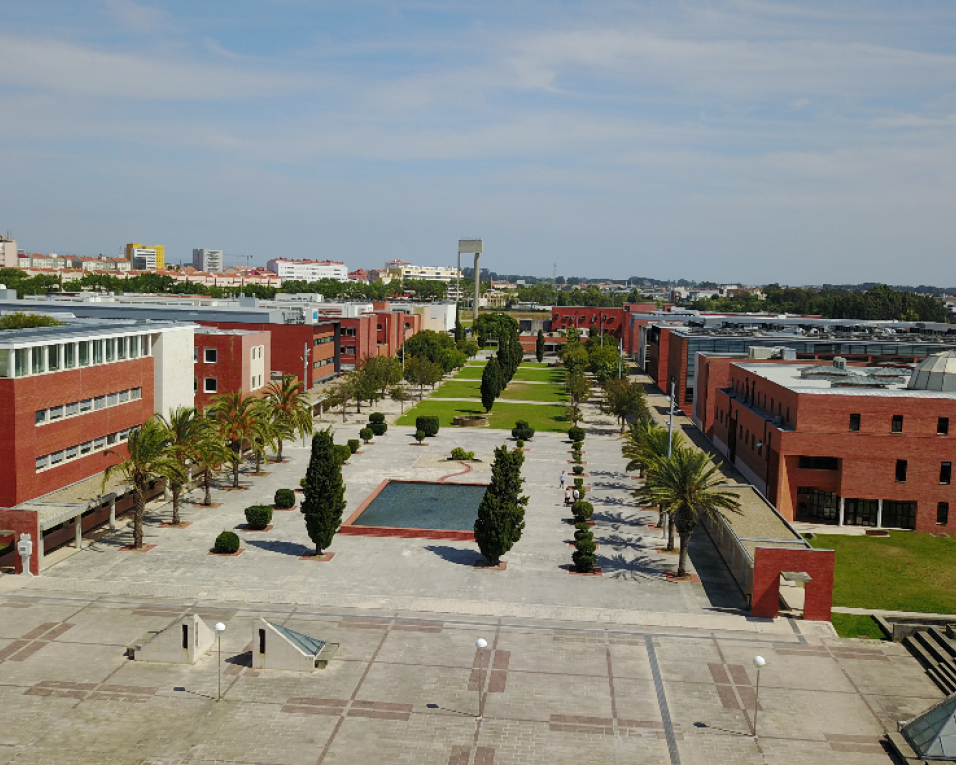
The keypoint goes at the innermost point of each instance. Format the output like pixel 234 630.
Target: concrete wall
pixel 173 368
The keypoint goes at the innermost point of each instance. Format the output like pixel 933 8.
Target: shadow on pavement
pixel 283 548
pixel 454 555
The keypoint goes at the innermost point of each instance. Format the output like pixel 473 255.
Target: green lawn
pixel 539 374
pixel 549 419
pixel 856 626
pixel 906 571
pixel 471 372
pixel 459 388
pixel 517 391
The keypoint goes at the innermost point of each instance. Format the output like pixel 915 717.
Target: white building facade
pixel 290 269
pixel 207 261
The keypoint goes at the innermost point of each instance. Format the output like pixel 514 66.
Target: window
pixel 69 356
pixel 22 362
pixel 144 345
pixel 99 402
pixel 41 416
pixel 195 385
pixel 111 439
pixel 111 399
pixel 86 448
pixel 210 355
pixel 86 405
pixel 195 355
pixel 37 360
pixel 945 472
pixel 901 470
pixel 897 423
pixel 136 394
pixel 123 396
pixel 854 422
pixel 110 351
pixel 210 385
pixel 899 515
pixel 818 463
pixel 97 351
pixel 72 408
pixel 84 354
pixel 99 443
pixel 71 452
pixel 42 462
pixel 942 426
pixel 56 458
pixel 52 357
pixel 56 412
pixel 120 348
pixel 133 347
pixel 942 513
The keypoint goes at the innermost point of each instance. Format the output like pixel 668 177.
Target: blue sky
pixel 738 141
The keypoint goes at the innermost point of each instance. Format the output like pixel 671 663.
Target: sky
pixel 739 141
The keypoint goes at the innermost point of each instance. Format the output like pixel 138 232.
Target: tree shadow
pixel 278 546
pixel 608 473
pixel 615 565
pixel 617 501
pixel 455 555
pixel 611 485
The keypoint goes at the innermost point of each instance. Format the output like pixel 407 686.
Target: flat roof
pixel 84 331
pixel 788 376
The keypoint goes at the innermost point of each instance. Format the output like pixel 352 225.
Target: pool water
pixel 422 505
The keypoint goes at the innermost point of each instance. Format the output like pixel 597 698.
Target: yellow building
pixel 154 255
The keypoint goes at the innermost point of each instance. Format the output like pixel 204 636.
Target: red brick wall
pixel 584 317
pixel 769 562
pixel 656 358
pixel 233 367
pixel 20 399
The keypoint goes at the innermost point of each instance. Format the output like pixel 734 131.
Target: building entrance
pixel 859 512
pixel 818 505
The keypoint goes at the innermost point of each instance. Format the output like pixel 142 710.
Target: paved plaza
pixel 627 667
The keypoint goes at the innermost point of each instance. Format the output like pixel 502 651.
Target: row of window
pixel 322 363
pixel 211 384
pixel 44 359
pixel 896 424
pixel 902 466
pixel 48 461
pixel 211 355
pixel 75 408
pixel 322 340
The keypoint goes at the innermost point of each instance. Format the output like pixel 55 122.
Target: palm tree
pixel 184 429
pixel 147 458
pixel 238 418
pixel 686 485
pixel 209 452
pixel 267 434
pixel 289 408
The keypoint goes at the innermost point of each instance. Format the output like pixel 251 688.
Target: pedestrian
pixel 567 496
pixel 577 494
pixel 563 477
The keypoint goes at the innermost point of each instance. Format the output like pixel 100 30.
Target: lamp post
pixel 220 628
pixel 305 379
pixel 481 644
pixel 759 662
pixel 670 425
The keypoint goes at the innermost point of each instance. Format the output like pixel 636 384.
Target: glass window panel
pixel 111 399
pixel 99 443
pixel 86 405
pixel 69 356
pixel 123 396
pixel 56 412
pixel 120 348
pixel 111 439
pixel 37 366
pixel 84 353
pixel 6 357
pixel 136 394
pixel 41 416
pixel 100 402
pixel 42 462
pixel 110 350
pixel 56 457
pixel 22 364
pixel 71 452
pixel 98 351
pixel 86 448
pixel 72 408
pixel 53 357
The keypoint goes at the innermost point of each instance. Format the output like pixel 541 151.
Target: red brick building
pixel 229 360
pixel 866 446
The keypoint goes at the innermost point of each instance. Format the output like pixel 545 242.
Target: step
pixel 929 642
pixel 946 685
pixel 944 641
pixel 919 651
pixel 947 669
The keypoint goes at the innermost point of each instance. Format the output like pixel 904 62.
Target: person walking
pixel 563 477
pixel 567 496
pixel 577 494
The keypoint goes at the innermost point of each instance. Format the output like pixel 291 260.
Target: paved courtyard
pixel 623 668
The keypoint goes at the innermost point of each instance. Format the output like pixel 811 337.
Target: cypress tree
pixel 324 492
pixel 501 512
pixel 489 384
pixel 539 346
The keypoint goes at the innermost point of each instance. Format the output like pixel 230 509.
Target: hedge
pixel 428 425
pixel 258 516
pixel 227 543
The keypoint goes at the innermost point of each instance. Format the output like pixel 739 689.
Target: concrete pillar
pixel 78 531
pixel 113 513
pixel 474 312
pixel 840 521
pixel 879 513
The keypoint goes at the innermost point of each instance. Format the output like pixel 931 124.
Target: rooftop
pixel 83 330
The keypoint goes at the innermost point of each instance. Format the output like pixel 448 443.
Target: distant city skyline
pixel 741 141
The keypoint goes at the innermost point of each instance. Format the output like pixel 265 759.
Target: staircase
pixel 937 654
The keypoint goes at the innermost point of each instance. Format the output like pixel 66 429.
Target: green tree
pixel 687 485
pixel 209 453
pixel 644 443
pixel 501 512
pixel 574 356
pixel 185 429
pixel 20 320
pixel 288 407
pixel 624 398
pixel 324 497
pixel 421 372
pixel 492 326
pixel 603 362
pixel 437 347
pixel 239 419
pixel 398 393
pixel 382 372
pixel 490 384
pixel 539 346
pixel 145 459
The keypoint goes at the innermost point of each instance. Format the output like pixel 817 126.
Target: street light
pixel 481 644
pixel 220 628
pixel 759 661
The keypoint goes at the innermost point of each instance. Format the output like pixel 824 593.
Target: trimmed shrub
pixel 582 526
pixel 302 482
pixel 460 454
pixel 342 453
pixel 522 431
pixel 583 555
pixel 378 428
pixel 520 444
pixel 582 510
pixel 428 425
pixel 576 434
pixel 578 483
pixel 376 417
pixel 419 435
pixel 258 516
pixel 227 543
pixel 577 469
pixel 366 434
pixel 354 445
pixel 284 498
pixel 580 534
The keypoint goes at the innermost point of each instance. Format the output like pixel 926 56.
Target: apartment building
pixel 292 269
pixel 207 261
pixel 147 257
pixel 230 360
